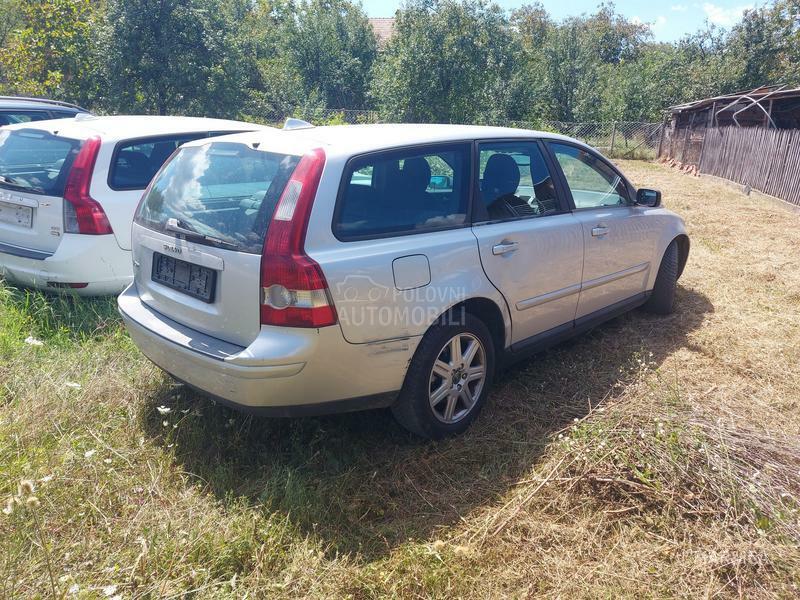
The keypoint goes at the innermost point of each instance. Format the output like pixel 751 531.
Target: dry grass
pixel 652 457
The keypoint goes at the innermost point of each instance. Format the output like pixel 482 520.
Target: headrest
pixel 501 176
pixel 416 174
pixel 133 160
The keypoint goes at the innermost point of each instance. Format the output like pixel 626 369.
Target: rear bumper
pixel 93 259
pixel 284 371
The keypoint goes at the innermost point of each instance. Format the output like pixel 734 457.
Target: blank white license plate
pixel 16 214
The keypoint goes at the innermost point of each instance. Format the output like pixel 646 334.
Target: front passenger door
pixel 617 241
pixel 530 244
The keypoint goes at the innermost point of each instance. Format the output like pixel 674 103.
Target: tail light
pixel 82 214
pixel 294 290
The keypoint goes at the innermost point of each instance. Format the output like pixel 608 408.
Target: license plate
pixel 193 280
pixel 16 214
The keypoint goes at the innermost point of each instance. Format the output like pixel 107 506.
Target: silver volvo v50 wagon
pixel 320 269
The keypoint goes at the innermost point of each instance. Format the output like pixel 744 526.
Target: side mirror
pixel 440 182
pixel 651 198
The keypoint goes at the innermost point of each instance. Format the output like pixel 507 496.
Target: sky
pixel 670 20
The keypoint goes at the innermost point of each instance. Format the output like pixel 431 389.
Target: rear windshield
pixel 225 192
pixel 35 161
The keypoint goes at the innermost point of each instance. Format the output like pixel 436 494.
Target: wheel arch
pixel 683 251
pixel 488 312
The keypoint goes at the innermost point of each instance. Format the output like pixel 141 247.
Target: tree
pixel 332 47
pixel 12 16
pixel 448 61
pixel 172 56
pixel 767 44
pixel 51 54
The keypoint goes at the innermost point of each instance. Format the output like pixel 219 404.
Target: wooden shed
pixel 750 137
pixel 771 107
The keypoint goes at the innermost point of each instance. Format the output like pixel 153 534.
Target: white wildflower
pixel 9 507
pixel 165 423
pixel 163 410
pixel 110 590
pixel 32 341
pixel 89 453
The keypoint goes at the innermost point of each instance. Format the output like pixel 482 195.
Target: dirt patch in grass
pixel 653 456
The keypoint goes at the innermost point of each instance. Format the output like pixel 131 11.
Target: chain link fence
pixel 620 139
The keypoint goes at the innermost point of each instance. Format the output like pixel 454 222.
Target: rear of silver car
pixel 224 296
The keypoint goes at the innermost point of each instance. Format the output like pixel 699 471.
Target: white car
pixel 68 191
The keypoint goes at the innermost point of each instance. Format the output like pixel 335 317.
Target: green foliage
pixel 332 47
pixel 50 54
pixel 767 44
pixel 172 57
pixel 448 61
pixel 309 56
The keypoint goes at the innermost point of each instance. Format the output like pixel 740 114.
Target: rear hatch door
pixel 34 165
pixel 199 233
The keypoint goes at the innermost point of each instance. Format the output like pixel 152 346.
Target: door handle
pixel 504 247
pixel 599 231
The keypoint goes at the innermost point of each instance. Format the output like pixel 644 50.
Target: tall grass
pixel 655 456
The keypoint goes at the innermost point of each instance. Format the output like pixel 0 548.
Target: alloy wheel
pixel 457 378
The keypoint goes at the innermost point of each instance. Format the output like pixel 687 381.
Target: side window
pixel 22 116
pixel 62 114
pixel 593 183
pixel 136 162
pixel 404 191
pixel 514 182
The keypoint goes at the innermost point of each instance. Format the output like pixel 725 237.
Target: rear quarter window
pixel 403 192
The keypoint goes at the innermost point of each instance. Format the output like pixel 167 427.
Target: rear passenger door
pixel 618 239
pixel 530 244
pixel 123 172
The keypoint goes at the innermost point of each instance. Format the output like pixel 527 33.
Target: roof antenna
pixel 292 123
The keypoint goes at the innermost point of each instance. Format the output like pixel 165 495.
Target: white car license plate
pixel 16 214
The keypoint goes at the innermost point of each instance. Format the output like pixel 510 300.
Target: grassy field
pixel 655 456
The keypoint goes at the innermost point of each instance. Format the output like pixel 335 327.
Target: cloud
pixel 679 8
pixel 656 24
pixel 724 17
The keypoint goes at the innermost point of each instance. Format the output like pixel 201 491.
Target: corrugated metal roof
pixel 775 92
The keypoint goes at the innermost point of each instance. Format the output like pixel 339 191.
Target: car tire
pixel 662 298
pixel 420 407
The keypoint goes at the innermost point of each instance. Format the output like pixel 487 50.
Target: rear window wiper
pixel 13 181
pixel 182 227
